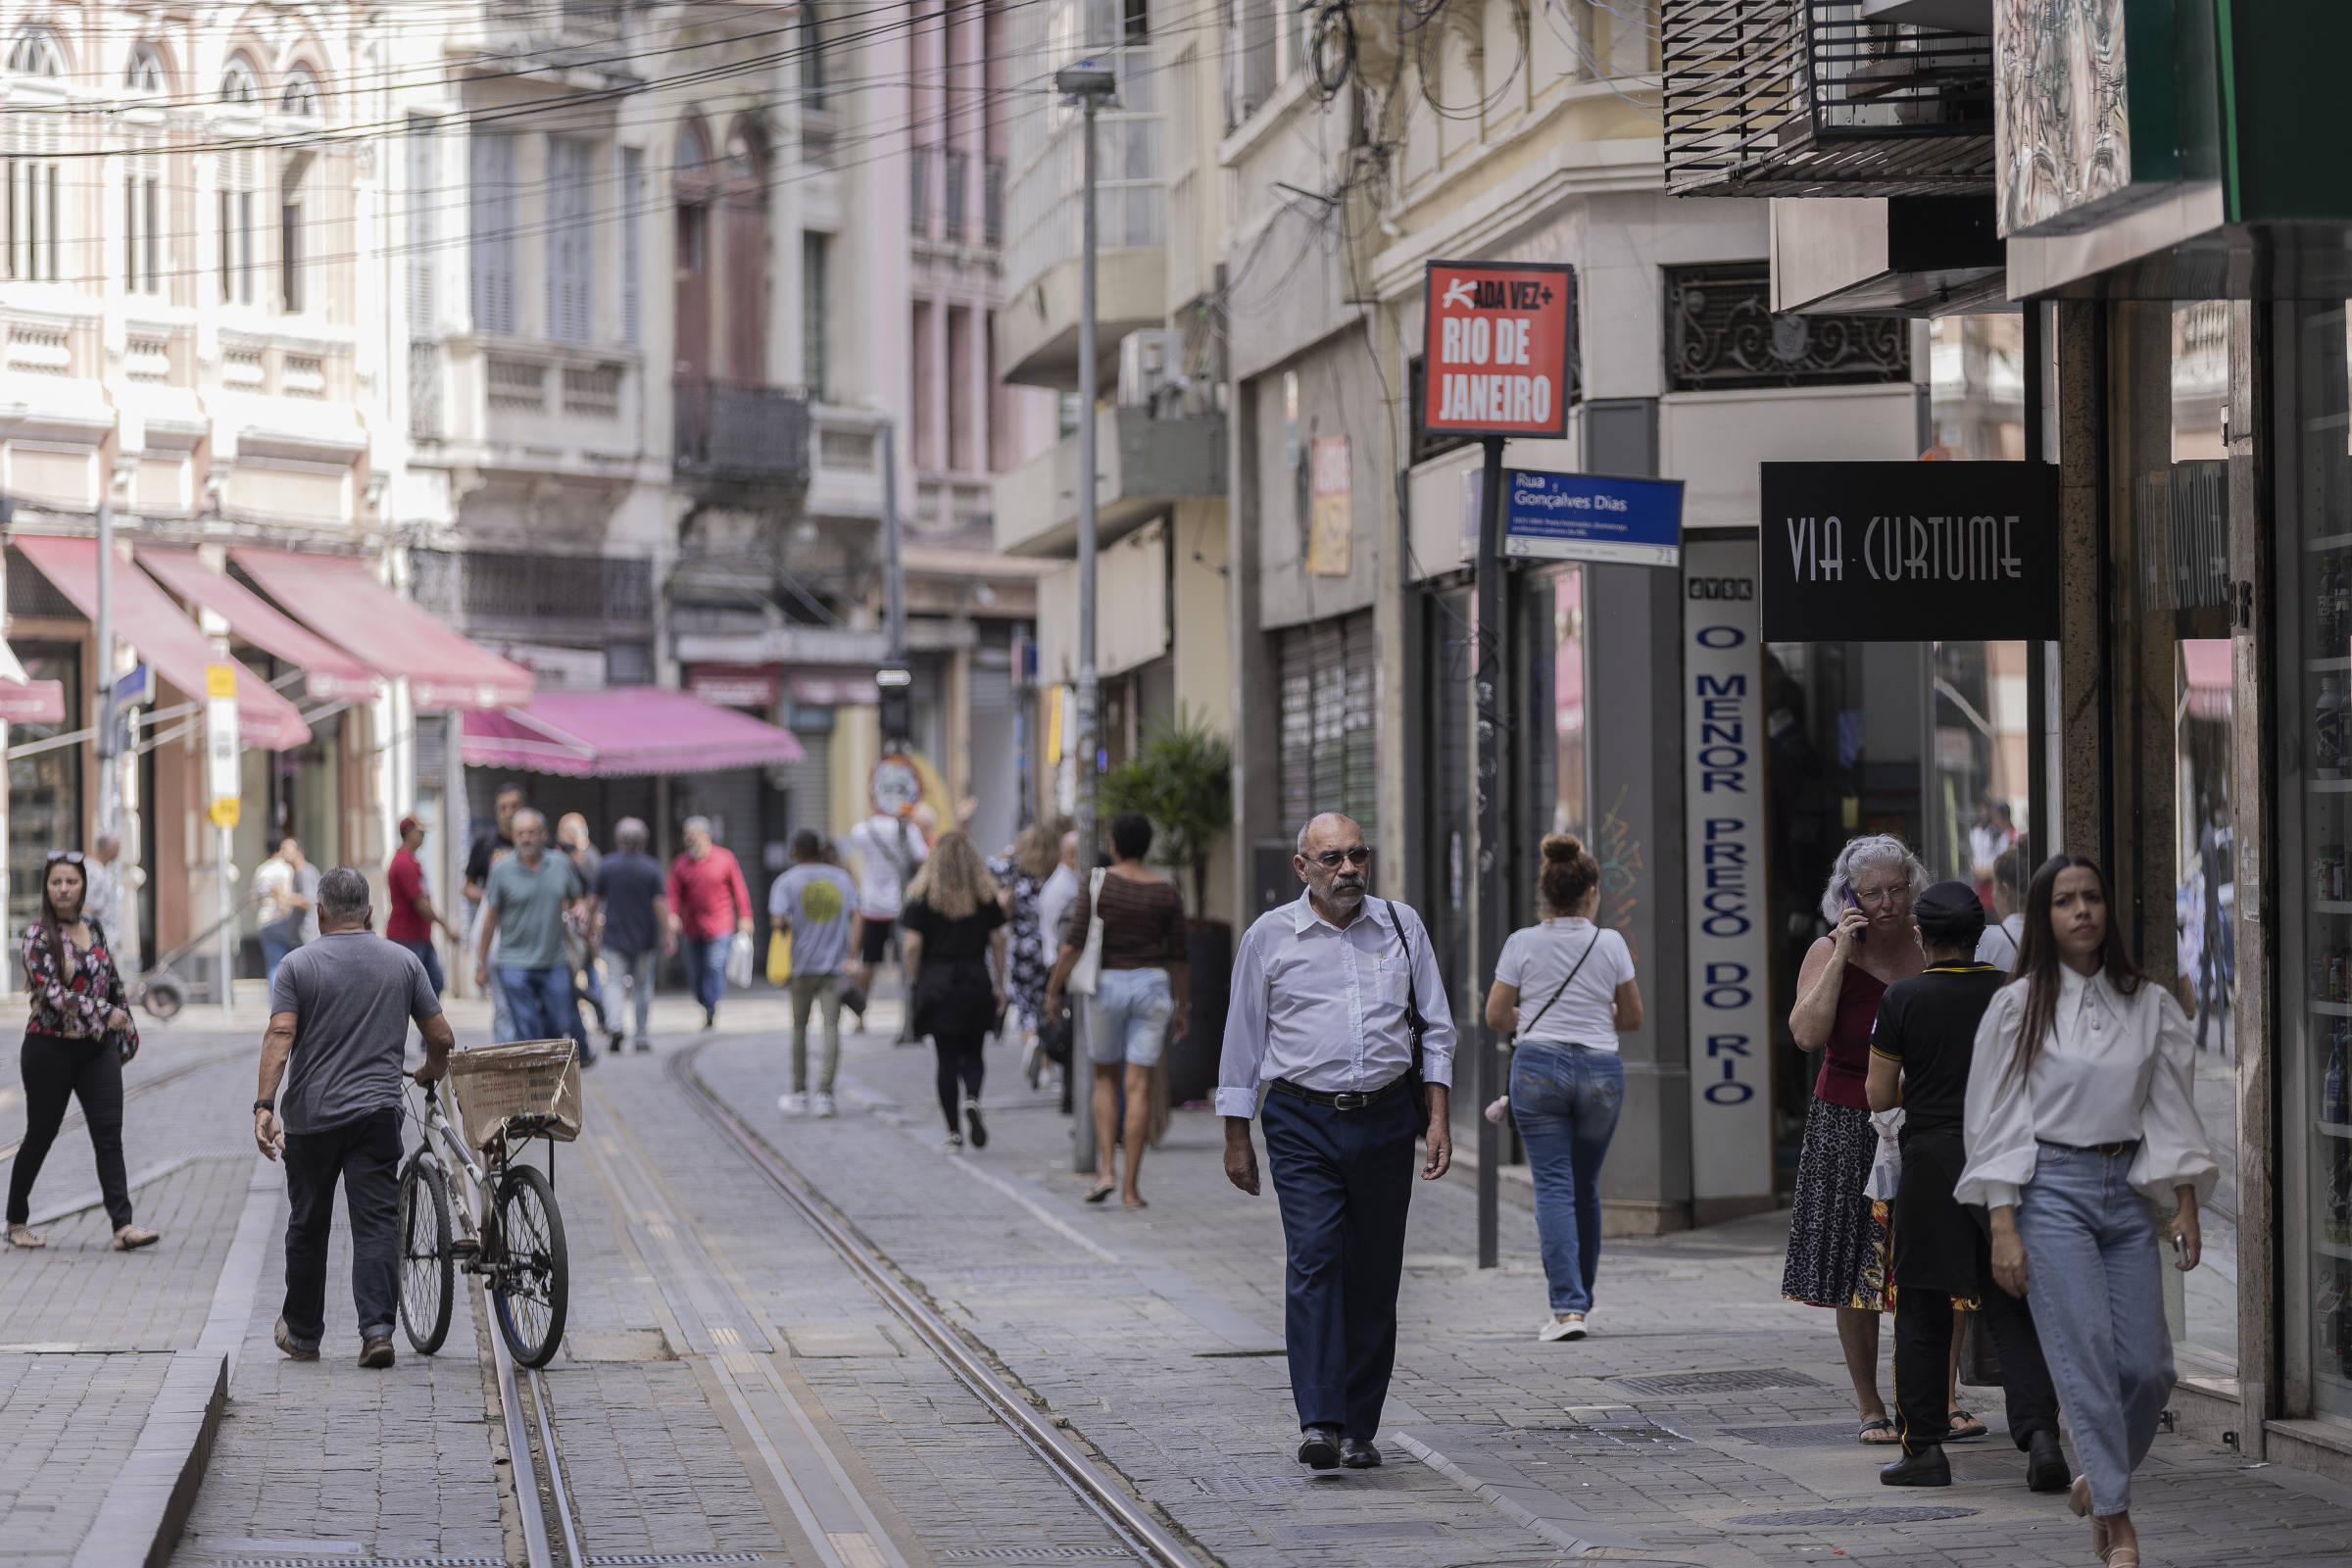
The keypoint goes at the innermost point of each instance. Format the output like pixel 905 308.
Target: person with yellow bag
pixel 815 925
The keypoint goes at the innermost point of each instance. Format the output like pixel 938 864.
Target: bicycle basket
pixel 526 1089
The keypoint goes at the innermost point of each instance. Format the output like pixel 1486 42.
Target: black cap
pixel 1949 912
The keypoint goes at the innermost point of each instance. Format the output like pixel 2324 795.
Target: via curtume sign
pixel 1910 552
pixel 1495 355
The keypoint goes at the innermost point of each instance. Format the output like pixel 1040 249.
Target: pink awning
pixel 625 730
pixel 2206 661
pixel 146 618
pixel 331 673
pixel 339 598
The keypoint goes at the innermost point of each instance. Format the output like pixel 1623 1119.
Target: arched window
pixel 239 84
pixel 746 159
pixel 812 44
pixel 301 97
pixel 146 77
pixel 36 53
pixel 694 150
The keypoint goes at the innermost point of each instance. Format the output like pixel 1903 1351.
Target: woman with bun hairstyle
pixel 1565 989
pixel 2081 1116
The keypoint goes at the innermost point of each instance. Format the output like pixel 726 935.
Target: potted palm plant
pixel 1181 777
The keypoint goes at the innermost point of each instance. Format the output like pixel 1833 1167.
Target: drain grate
pixel 1837 1434
pixel 1249 1484
pixel 1340 1535
pixel 1755 1380
pixel 1038 1555
pixel 1856 1516
pixel 618 1559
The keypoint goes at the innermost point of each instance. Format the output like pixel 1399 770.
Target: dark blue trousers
pixel 1344 1179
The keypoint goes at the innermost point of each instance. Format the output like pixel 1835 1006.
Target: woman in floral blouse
pixel 76 1043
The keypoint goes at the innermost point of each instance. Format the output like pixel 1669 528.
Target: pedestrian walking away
pixel 1920 1052
pixel 631 918
pixel 78 1035
pixel 709 907
pixel 486 849
pixel 411 919
pixel 1838 1236
pixel 2007 924
pixel 818 904
pixel 2081 1112
pixel 1141 996
pixel 287 886
pixel 1564 990
pixel 340 1017
pixel 1338 1013
pixel 102 865
pixel 953 930
pixel 523 905
pixel 579 944
pixel 888 853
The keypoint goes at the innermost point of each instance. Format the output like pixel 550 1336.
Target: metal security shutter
pixel 432 749
pixel 995 762
pixel 1330 721
pixel 809 785
pixel 731 800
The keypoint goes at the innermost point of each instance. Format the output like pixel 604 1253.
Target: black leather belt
pixel 1343 1100
pixel 2130 1146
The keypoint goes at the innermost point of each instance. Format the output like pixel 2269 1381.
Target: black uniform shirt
pixel 1929 1024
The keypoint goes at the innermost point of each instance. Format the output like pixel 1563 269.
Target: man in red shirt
pixel 709 908
pixel 413 917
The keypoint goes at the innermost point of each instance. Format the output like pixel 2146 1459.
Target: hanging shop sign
pixel 1331 531
pixel 1910 552
pixel 32 702
pixel 1729 934
pixel 1496 356
pixel 1588 517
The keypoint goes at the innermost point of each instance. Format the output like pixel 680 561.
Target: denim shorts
pixel 1128 1018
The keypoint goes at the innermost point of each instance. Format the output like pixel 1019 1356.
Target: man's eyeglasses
pixel 1330 859
pixel 69 856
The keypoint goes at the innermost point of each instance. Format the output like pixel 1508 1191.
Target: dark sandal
pixel 1882 1424
pixel 1965 1428
pixel 1100 1191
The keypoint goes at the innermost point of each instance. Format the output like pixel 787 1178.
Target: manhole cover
pixel 1748 1381
pixel 1836 1434
pixel 1856 1516
pixel 1250 1486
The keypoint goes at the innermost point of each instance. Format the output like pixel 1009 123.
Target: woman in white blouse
pixel 2080 1112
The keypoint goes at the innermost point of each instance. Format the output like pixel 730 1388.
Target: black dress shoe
pixel 2045 1463
pixel 1319 1447
pixel 1358 1453
pixel 1925 1468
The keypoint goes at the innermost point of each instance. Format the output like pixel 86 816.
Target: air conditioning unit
pixel 1150 364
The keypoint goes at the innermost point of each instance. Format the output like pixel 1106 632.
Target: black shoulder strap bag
pixel 1414 1024
pixel 1528 1028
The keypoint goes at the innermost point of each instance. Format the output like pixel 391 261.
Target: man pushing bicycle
pixel 339 1013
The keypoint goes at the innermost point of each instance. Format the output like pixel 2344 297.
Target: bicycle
pixel 517 1246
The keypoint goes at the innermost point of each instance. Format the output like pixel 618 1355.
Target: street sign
pixel 1588 516
pixel 1496 354
pixel 1910 552
pixel 223 783
pixel 136 687
pixel 32 702
pixel 220 680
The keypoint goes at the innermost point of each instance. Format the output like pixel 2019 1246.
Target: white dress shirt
pixel 1324 1006
pixel 2113 1069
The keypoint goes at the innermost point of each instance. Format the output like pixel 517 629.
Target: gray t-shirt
pixel 352 994
pixel 530 908
pixel 818 900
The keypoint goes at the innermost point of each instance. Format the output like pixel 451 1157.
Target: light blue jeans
pixel 2098 1305
pixel 1128 1018
pixel 635 974
pixel 1566 1100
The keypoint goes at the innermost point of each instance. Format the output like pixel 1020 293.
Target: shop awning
pixel 333 674
pixel 146 618
pixel 2207 664
pixel 26 701
pixel 622 731
pixel 339 598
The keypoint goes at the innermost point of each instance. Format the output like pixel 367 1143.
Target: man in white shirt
pixel 2007 927
pixel 1324 991
pixel 1060 891
pixel 889 851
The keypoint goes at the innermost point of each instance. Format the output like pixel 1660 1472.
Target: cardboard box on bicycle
pixel 532 1078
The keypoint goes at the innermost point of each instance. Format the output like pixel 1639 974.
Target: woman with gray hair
pixel 1838 1236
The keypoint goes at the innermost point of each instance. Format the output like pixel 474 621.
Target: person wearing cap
pixel 413 918
pixel 1921 1048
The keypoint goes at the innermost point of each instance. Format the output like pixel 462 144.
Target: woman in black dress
pixel 953 934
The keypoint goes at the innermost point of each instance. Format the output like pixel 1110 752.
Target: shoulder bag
pixel 124 1043
pixel 1529 1027
pixel 1414 1024
pixel 1086 973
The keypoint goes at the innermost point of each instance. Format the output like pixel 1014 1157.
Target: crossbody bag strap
pixel 1414 1022
pixel 1529 1027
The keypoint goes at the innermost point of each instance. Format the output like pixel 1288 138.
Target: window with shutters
pixel 492 245
pixel 143 221
pixel 815 291
pixel 571 268
pixel 744 267
pixel 237 198
pixel 632 282
pixel 292 259
pixel 812 59
pixel 1330 721
pixel 423 294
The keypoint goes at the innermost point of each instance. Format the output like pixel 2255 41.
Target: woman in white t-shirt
pixel 1565 989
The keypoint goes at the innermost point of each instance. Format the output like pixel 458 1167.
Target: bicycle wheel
pixel 429 1275
pixel 533 1278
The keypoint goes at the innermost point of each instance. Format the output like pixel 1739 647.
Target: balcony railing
pixel 1804 98
pixel 489 588
pixel 741 432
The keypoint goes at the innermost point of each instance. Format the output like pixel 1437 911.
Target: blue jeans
pixel 431 962
pixel 2098 1305
pixel 636 972
pixel 279 938
pixel 707 967
pixel 1566 1100
pixel 543 1006
pixel 1127 1019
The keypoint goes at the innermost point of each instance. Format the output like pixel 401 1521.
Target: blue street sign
pixel 135 687
pixel 1591 516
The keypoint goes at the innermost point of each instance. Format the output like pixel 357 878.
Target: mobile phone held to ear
pixel 1862 935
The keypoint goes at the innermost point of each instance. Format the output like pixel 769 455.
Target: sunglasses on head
pixel 1361 854
pixel 69 856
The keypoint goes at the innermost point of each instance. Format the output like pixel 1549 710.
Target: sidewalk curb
pixel 1564 1524
pixel 152 1495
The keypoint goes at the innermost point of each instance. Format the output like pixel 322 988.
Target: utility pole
pixel 896 718
pixel 1494 852
pixel 1089 86
pixel 110 762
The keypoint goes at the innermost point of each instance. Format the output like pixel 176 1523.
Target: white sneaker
pixel 822 1104
pixel 1554 1330
pixel 794 1104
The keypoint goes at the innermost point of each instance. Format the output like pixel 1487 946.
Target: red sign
pixel 735 685
pixel 1495 356
pixel 32 702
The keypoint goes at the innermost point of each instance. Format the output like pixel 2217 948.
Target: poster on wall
pixel 1724 803
pixel 1331 535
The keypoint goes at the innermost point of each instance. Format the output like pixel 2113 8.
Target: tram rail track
pixel 151 1081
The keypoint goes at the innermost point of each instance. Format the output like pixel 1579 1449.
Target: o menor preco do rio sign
pixel 1494 358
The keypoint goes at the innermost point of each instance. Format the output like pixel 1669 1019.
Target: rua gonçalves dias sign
pixel 1909 551
pixel 1495 356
